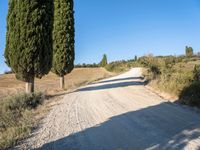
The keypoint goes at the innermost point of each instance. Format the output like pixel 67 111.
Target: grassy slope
pixel 181 76
pixel 50 83
pixel 16 117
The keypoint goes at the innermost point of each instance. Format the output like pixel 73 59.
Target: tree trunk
pixel 30 86
pixel 62 82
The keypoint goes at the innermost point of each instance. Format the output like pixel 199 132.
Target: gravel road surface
pixel 118 113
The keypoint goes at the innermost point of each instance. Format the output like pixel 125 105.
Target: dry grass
pixel 50 83
pixel 186 66
pixel 16 117
pixel 19 112
pixel 176 80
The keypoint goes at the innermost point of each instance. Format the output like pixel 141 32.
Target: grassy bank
pixel 16 117
pixel 49 84
pixel 176 76
pixel 122 66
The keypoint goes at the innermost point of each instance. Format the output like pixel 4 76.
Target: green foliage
pixel 169 77
pixel 87 65
pixel 16 118
pixel 155 70
pixel 29 38
pixel 104 61
pixel 121 66
pixel 173 82
pixel 189 51
pixel 63 37
pixel 190 95
pixel 8 72
pixel 116 67
pixel 168 74
pixel 136 58
pixel 196 73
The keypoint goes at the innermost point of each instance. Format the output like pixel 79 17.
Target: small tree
pixel 29 40
pixel 63 39
pixel 104 61
pixel 189 51
pixel 136 58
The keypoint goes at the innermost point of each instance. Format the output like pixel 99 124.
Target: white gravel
pixel 118 113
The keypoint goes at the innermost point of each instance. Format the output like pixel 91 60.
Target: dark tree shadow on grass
pixel 164 126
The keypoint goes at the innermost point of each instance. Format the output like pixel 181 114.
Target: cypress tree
pixel 29 39
pixel 189 51
pixel 104 61
pixel 136 58
pixel 63 38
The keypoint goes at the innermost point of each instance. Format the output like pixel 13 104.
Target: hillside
pixel 50 83
pixel 174 77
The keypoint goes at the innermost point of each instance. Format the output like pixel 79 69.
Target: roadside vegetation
pixel 16 117
pixel 179 76
pixel 122 66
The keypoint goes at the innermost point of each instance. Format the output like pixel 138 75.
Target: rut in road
pixel 117 114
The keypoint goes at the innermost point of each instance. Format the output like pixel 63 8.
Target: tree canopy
pixel 63 37
pixel 104 61
pixel 29 38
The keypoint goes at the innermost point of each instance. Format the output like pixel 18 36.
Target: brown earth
pixel 49 84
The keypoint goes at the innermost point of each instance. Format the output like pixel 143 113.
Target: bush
pixel 16 119
pixel 121 66
pixel 196 73
pixel 8 72
pixel 170 75
pixel 174 83
pixel 190 95
pixel 116 67
pixel 155 70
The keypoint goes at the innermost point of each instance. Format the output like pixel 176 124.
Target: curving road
pixel 118 113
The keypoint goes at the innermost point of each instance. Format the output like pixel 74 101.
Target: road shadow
pixel 50 96
pixel 152 127
pixel 107 85
pixel 120 79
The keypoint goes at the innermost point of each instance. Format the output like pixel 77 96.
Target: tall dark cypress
pixel 104 61
pixel 63 38
pixel 29 39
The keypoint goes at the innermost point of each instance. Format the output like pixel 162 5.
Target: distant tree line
pixel 84 65
pixel 102 63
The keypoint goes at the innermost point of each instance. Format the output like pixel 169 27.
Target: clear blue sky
pixel 124 28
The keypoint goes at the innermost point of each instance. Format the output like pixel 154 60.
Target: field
pixel 50 83
pixel 20 113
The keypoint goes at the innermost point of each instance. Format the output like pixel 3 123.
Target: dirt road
pixel 118 114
